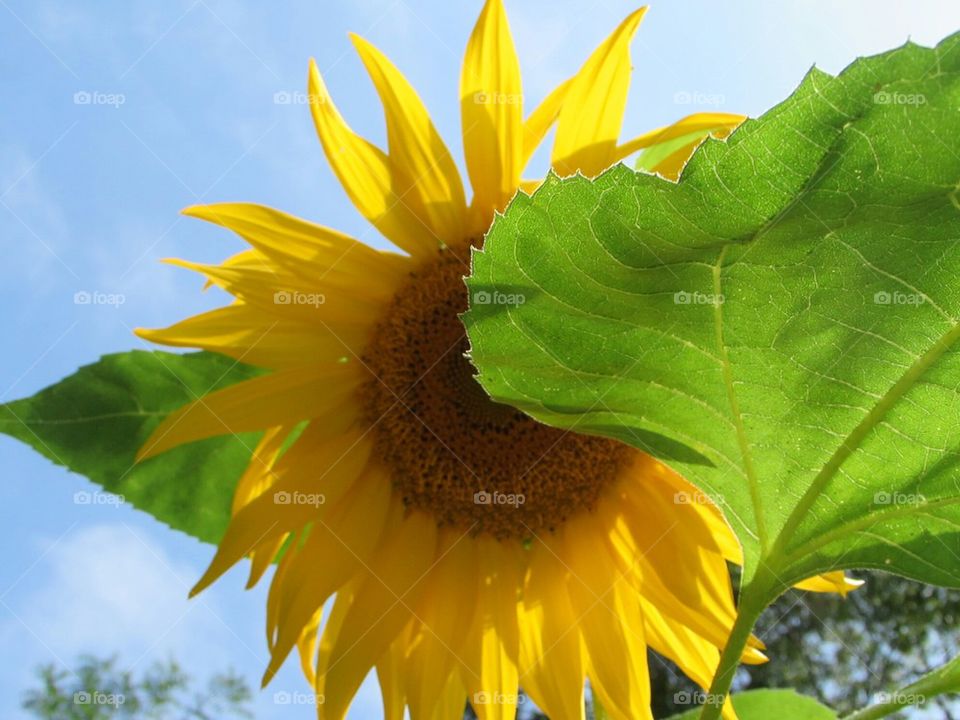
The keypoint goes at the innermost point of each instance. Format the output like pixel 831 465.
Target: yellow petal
pixel 541 119
pixel 696 657
pixel 335 549
pixel 253 336
pixel 704 123
pixel 304 247
pixel 834 581
pixel 530 186
pixel 491 112
pixel 493 643
pixel 279 292
pixel 591 116
pixel 446 608
pixel 367 175
pixel 307 646
pixel 311 477
pixel 379 610
pixel 415 146
pixel 255 481
pixel 551 663
pixel 391 669
pixel 667 150
pixel 610 625
pixel 282 397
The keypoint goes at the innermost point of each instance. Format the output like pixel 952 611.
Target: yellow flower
pixel 469 549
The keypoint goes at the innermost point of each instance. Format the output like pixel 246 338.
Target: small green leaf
pixel 782 324
pixel 766 704
pixel 94 421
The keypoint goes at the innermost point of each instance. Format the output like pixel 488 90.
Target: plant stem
pixel 747 615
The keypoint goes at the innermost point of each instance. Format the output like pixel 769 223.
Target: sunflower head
pixel 461 549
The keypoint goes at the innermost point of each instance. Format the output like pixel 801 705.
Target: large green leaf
pixel 781 324
pixel 94 421
pixel 767 704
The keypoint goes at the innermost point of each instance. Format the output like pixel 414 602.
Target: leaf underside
pixel 94 422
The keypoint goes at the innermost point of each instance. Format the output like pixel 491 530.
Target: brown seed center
pixel 453 452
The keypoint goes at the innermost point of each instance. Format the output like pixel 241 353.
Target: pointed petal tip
pixel 193 210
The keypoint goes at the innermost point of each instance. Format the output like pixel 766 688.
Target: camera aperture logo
pixel 498 498
pixel 292 297
pixel 495 297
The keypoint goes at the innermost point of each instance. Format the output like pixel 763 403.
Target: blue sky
pixel 183 108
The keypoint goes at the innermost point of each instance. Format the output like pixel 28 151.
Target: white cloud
pixel 107 590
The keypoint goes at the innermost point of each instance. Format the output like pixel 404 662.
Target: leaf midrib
pixel 852 441
pixel 85 419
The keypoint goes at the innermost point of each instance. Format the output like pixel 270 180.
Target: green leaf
pixel 781 324
pixel 94 421
pixel 766 704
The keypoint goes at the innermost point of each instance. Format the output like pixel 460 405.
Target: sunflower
pixel 469 550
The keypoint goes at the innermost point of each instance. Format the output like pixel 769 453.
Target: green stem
pixel 752 604
pixel 942 680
